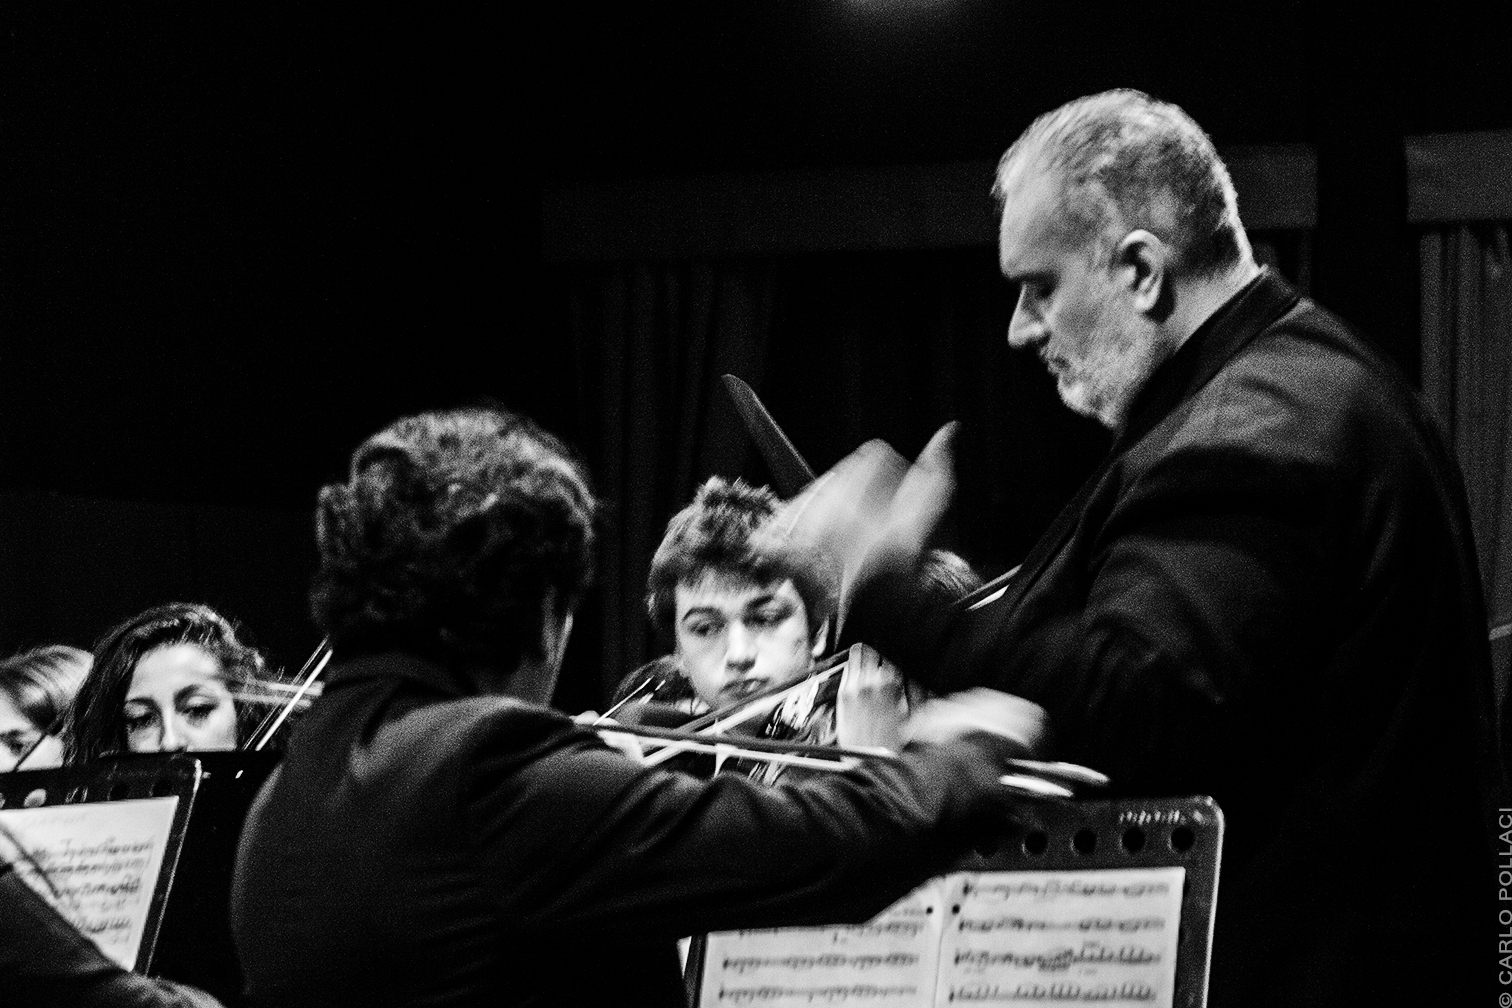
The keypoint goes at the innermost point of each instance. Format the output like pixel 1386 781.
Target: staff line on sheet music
pixel 741 964
pixel 1085 924
pixel 1060 959
pixel 835 994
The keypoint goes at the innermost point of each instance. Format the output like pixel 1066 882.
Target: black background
pixel 236 239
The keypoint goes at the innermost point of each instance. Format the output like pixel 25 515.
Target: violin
pixel 793 709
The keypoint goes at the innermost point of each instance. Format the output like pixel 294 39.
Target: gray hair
pixel 1123 158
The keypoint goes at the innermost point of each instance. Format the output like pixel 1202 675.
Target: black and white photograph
pixel 891 503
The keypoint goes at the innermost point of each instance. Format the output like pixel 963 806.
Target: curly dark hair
pixel 95 724
pixel 451 531
pixel 718 533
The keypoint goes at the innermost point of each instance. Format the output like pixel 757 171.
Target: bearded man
pixel 1267 592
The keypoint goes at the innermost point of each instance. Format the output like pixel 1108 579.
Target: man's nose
pixel 1024 329
pixel 740 650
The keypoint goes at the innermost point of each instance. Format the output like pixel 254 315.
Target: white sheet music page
pixel 101 861
pixel 1053 938
pixel 889 961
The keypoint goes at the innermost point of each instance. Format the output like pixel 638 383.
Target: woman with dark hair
pixel 36 688
pixel 437 835
pixel 176 677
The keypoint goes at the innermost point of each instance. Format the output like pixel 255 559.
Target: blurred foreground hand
pixel 945 719
pixel 872 511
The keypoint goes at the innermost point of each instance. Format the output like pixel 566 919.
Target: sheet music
pixel 102 859
pixel 1052 938
pixel 889 961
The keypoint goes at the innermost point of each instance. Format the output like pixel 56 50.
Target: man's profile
pixel 1266 593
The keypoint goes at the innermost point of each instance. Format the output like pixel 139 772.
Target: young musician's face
pixel 735 636
pixel 1072 306
pixel 178 700
pixel 17 735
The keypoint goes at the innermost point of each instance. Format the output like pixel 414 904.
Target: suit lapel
pixel 1215 342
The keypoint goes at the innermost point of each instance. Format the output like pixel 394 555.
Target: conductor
pixel 1267 592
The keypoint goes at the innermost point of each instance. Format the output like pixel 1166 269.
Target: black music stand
pixel 1128 833
pixel 195 946
pixel 109 781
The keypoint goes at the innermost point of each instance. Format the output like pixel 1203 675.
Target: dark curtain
pixel 652 341
pixel 74 566
pixel 1467 377
pixel 842 348
pixel 892 345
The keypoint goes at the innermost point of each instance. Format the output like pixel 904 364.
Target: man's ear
pixel 1140 261
pixel 821 646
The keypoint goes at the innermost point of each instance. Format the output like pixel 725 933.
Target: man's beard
pixel 1104 384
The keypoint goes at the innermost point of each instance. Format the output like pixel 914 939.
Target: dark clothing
pixel 46 963
pixel 423 846
pixel 1268 594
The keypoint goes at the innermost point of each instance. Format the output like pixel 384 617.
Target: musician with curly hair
pixel 437 834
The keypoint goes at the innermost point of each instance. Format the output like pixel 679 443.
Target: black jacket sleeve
pixel 1200 579
pixel 606 844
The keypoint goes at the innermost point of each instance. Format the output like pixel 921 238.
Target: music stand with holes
pixel 194 944
pixel 1080 836
pixel 108 781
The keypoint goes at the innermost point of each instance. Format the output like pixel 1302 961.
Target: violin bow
pixel 715 723
pixel 306 676
pixel 1031 778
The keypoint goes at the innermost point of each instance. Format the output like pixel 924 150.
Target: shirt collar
pixel 403 665
pixel 1226 332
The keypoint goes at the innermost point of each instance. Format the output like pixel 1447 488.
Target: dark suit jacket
pixel 1268 594
pixel 423 846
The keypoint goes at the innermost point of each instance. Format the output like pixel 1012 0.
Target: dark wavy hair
pixel 95 723
pixel 718 533
pixel 42 682
pixel 451 530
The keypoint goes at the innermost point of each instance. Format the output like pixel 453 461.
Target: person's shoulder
pixel 440 740
pixel 475 720
pixel 1306 386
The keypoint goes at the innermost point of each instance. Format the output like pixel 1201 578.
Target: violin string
pixel 829 664
pixel 745 710
pixel 658 735
pixel 725 750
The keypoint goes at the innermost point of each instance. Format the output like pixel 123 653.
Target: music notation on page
pixel 1025 938
pixel 1063 937
pixel 100 861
